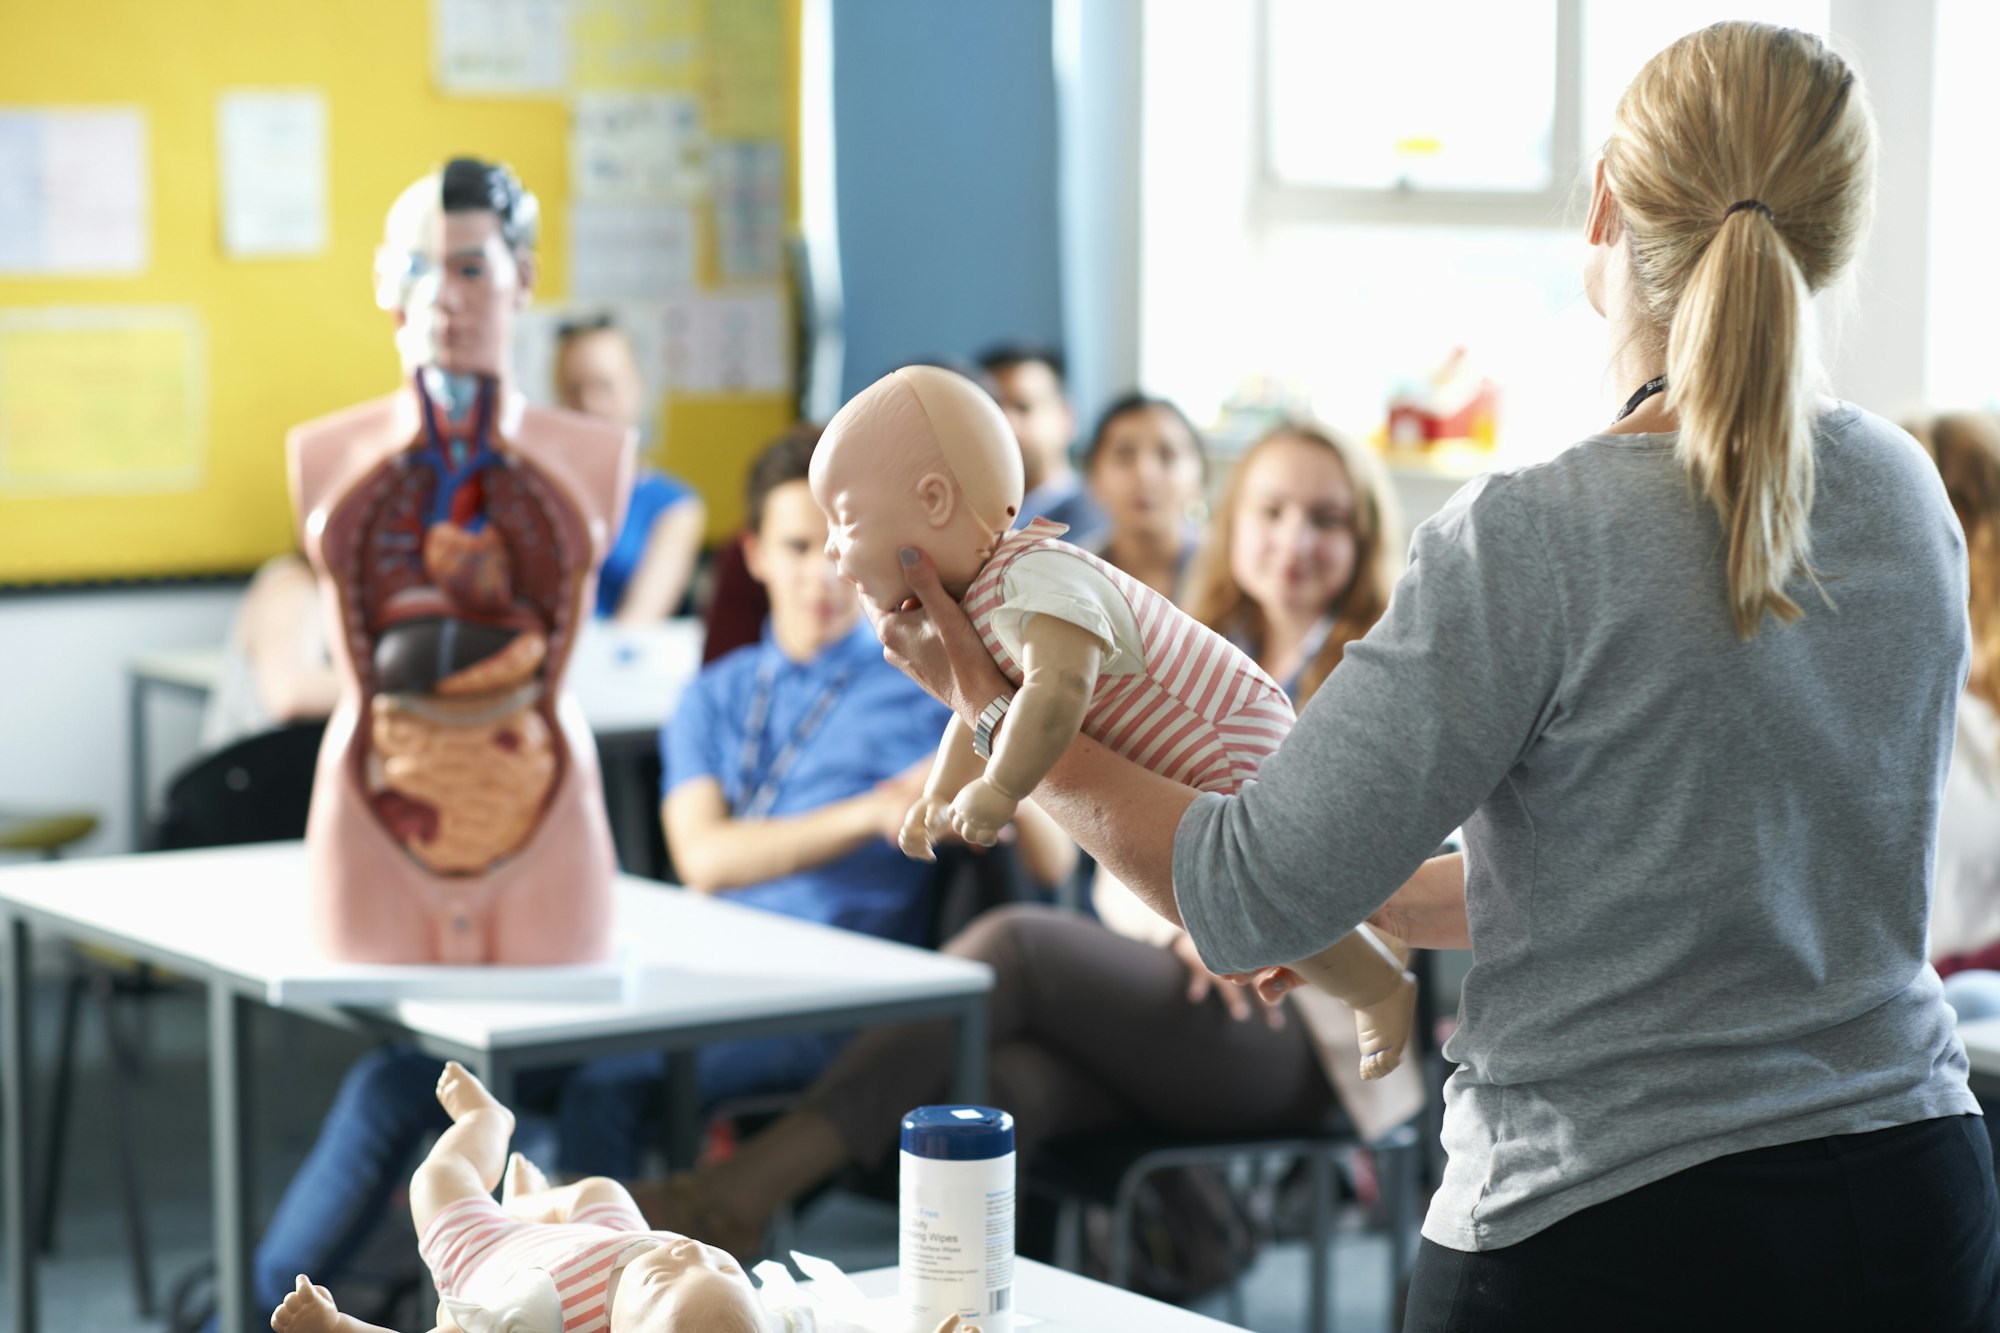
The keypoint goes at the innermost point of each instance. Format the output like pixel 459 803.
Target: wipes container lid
pixel 958 1133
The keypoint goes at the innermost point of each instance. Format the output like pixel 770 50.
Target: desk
pixel 627 679
pixel 706 971
pixel 1066 1303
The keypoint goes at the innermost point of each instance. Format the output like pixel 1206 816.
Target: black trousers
pixel 1894 1230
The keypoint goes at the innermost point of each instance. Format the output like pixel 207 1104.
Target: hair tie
pixel 1757 204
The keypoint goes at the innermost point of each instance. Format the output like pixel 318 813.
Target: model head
pixel 684 1284
pixel 1146 467
pixel 786 547
pixel 1028 381
pixel 1738 180
pixel 921 458
pixel 455 263
pixel 1307 528
pixel 1966 448
pixel 597 371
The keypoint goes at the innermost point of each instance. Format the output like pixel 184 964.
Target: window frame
pixel 1277 203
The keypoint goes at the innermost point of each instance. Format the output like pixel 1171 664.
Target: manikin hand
pixel 980 811
pixel 926 822
pixel 308 1309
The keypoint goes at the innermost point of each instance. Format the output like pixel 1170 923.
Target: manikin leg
pixel 1364 970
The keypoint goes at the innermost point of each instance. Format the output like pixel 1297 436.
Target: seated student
pixel 1965 905
pixel 1028 382
pixel 1117 1024
pixel 275 667
pixel 646 572
pixel 1146 466
pixel 789 767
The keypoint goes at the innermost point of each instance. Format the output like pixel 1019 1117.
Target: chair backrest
pixel 255 790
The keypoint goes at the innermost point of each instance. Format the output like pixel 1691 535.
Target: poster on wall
pixel 636 146
pixel 74 198
pixel 272 159
pixel 489 48
pixel 630 250
pixel 61 433
pixel 729 343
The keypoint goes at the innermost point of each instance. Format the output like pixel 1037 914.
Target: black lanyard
pixel 1657 384
pixel 760 790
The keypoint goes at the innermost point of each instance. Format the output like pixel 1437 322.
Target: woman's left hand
pixel 930 639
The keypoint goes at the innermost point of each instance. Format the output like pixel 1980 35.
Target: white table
pixel 707 971
pixel 627 679
pixel 1066 1303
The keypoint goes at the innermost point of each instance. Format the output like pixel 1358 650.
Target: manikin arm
pixel 310 1309
pixel 954 767
pixel 1059 668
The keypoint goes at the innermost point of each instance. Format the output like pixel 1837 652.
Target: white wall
pixel 63 731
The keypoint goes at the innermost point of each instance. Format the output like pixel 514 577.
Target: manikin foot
pixel 1383 1028
pixel 523 1177
pixel 462 1095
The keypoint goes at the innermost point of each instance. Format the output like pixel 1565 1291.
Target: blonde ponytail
pixel 1742 159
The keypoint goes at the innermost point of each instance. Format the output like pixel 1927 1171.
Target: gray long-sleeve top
pixel 1697 868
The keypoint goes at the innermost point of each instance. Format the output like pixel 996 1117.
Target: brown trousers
pixel 1090 1030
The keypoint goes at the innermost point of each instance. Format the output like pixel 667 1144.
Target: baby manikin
pixel 923 458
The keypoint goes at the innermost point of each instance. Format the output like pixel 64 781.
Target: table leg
pixel 683 1109
pixel 16 1066
pixel 969 1059
pixel 228 1091
pixel 135 725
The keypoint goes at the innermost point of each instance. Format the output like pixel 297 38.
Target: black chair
pixel 1106 1169
pixel 256 790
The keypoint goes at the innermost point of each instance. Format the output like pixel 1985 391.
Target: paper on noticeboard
pixel 74 193
pixel 272 159
pixel 486 48
pixel 630 250
pixel 102 399
pixel 729 342
pixel 635 45
pixel 749 189
pixel 636 146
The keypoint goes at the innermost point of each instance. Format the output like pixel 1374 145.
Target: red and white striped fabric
pixel 1200 712
pixel 474 1249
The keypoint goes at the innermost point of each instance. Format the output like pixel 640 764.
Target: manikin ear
pixel 1604 225
pixel 939 498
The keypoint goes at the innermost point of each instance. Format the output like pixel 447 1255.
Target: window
pixel 1414 187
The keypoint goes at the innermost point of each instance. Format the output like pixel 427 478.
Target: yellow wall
pixel 290 339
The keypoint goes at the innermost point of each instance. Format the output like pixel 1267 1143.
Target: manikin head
pixel 921 458
pixel 684 1285
pixel 457 259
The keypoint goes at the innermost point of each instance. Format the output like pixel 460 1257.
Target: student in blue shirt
pixel 789 767
pixel 645 574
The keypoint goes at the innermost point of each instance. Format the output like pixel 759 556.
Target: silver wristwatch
pixel 988 723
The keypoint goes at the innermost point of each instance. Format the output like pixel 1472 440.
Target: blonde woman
pixel 1690 689
pixel 1303 554
pixel 1965 911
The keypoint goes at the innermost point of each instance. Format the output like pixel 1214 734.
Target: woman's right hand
pixel 1238 1000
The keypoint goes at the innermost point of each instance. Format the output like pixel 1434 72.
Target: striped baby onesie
pixel 477 1253
pixel 1194 709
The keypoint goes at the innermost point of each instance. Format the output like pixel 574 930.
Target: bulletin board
pixel 149 402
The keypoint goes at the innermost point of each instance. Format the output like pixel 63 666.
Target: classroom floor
pixel 86 1284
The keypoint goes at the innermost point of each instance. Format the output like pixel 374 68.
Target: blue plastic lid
pixel 958 1133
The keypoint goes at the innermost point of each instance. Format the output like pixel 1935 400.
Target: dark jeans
pixel 387 1106
pixel 1895 1229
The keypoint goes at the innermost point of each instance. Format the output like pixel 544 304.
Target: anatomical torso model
pixel 923 458
pixel 457 813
